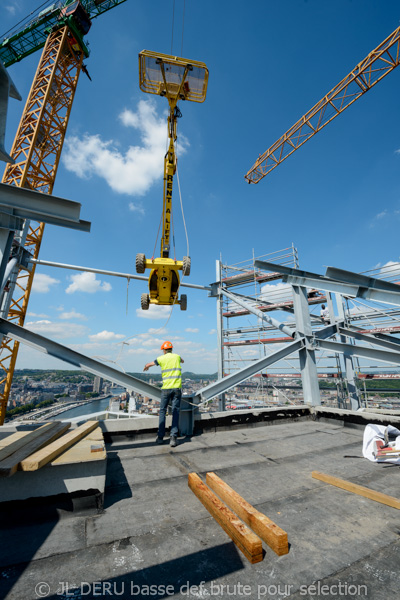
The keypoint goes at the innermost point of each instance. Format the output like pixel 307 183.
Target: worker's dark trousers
pixel 174 396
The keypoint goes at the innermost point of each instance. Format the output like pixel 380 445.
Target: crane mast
pixel 39 140
pixel 379 63
pixel 36 152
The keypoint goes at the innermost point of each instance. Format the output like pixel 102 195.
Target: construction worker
pixel 325 314
pixel 171 390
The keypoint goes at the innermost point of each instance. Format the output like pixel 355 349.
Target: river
pixel 87 409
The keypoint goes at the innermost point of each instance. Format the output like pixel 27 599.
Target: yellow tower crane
pixel 379 63
pixel 176 79
pixel 36 151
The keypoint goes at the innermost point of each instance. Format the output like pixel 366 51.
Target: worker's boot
pixel 159 440
pixel 172 441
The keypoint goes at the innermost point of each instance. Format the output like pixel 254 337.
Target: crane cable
pixel 173 23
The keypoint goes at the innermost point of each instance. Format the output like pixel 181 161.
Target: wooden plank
pixel 47 454
pixel 9 465
pixel 18 435
pixel 357 489
pixel 81 452
pixel 15 441
pixel 247 541
pixel 272 534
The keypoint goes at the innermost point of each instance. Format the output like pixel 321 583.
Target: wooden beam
pixel 17 440
pixel 357 489
pixel 242 536
pixel 9 465
pixel 274 536
pixel 48 453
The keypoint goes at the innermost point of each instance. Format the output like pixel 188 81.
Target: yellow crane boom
pixel 379 63
pixel 177 79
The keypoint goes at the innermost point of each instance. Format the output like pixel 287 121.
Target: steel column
pixel 220 346
pixel 352 389
pixel 308 367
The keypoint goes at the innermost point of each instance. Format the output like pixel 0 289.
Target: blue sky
pixel 337 198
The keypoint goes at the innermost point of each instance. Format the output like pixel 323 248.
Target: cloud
pixel 212 332
pixel 65 316
pixel 386 216
pixel 154 312
pixel 38 316
pixel 106 336
pixel 276 293
pixel 153 330
pixel 42 283
pixel 137 208
pixel 87 282
pixel 390 269
pixel 190 330
pixel 11 9
pixel 57 330
pixel 134 171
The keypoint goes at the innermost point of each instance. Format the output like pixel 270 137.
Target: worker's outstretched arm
pixel 150 364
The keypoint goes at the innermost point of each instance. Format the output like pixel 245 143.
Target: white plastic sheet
pixel 372 433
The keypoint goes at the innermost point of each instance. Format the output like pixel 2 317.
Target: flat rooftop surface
pixel 154 531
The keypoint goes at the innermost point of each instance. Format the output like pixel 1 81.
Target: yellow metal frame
pixel 171 83
pixel 36 151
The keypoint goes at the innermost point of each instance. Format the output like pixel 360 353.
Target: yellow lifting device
pixel 177 79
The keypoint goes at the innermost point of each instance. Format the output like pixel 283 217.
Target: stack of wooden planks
pixel 247 535
pixel 31 450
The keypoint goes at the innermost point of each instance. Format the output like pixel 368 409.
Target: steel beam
pixel 48 263
pixel 222 385
pixel 370 353
pixel 314 280
pixel 384 342
pixel 10 222
pixel 353 291
pixel 61 352
pixel 258 313
pixel 360 280
pixel 270 266
pixel 44 208
pixel 326 332
pixel 7 89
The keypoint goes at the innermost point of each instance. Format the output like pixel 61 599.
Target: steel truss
pixel 373 343
pixel 36 154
